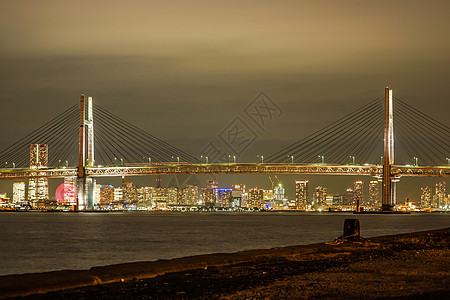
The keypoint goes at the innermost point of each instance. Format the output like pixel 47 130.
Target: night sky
pixel 183 70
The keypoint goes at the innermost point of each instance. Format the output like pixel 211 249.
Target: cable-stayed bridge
pixel 360 143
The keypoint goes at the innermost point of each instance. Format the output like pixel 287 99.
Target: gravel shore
pixel 409 266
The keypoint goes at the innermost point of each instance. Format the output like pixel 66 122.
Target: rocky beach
pixel 405 266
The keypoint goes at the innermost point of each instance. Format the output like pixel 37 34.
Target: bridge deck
pixel 241 168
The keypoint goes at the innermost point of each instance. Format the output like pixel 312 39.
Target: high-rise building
pixel 255 198
pixel 106 195
pixel 38 187
pixel 425 197
pixel 279 196
pixel 189 195
pixel 320 197
pixel 373 194
pixel 349 198
pixel 359 190
pixel 70 190
pixel 210 194
pixel 301 194
pixel 38 156
pixel 129 192
pixel 238 195
pixel 18 192
pixel 439 200
pixel 172 196
pixel 224 197
pixel 118 195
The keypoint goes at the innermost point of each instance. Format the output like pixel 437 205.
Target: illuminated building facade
pixel 189 195
pixel 349 198
pixel 320 197
pixel 439 200
pixel 106 195
pixel 373 194
pixel 210 194
pixel 38 156
pixel 129 193
pixel 238 195
pixel 255 198
pixel 359 191
pixel 224 197
pixel 18 192
pixel 425 197
pixel 172 196
pixel 301 194
pixel 279 198
pixel 38 187
pixel 70 190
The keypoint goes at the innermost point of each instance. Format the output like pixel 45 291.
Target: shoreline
pixel 102 277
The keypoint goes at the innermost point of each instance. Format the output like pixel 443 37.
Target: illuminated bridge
pixel 344 148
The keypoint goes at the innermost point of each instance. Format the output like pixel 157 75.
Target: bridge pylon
pixel 85 186
pixel 388 182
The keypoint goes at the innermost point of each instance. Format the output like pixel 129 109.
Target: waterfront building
pixel 268 203
pixel 118 197
pixel 70 190
pixel 359 191
pixel 425 198
pixel 320 196
pixel 189 195
pixel 439 200
pixel 38 187
pixel 279 196
pixel 301 195
pixel 349 198
pixel 129 193
pixel 373 194
pixel 19 192
pixel 172 196
pixel 224 197
pixel 106 195
pixel 238 195
pixel 210 194
pixel 255 198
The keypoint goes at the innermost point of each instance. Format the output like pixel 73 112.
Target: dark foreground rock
pixel 410 266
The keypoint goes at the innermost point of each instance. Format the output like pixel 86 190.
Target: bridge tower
pixel 85 186
pixel 388 182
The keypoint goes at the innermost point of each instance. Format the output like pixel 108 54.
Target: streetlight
pixel 14 165
pixel 322 158
pixel 292 159
pixel 59 163
pixel 234 158
pixel 121 162
pixel 262 158
pixel 115 161
pixel 448 161
pixel 67 163
pixel 352 158
pixel 416 161
pixel 149 160
pixel 178 159
pixel 381 159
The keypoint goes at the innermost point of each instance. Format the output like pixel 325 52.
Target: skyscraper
pixel 38 187
pixel 439 200
pixel 18 192
pixel 373 194
pixel 359 190
pixel 301 194
pixel 320 197
pixel 70 190
pixel 425 198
